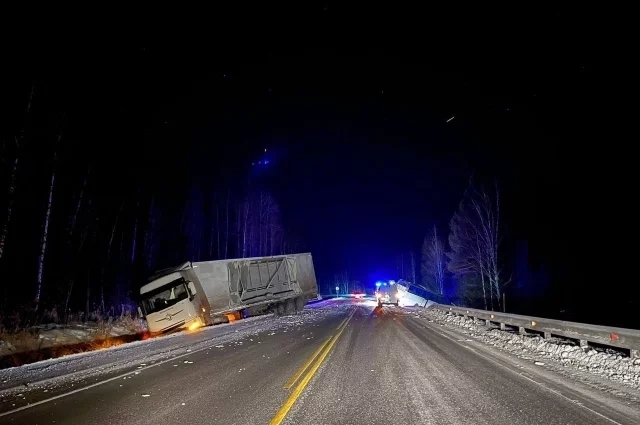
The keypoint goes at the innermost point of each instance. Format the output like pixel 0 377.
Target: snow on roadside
pixel 56 336
pixel 50 374
pixel 600 361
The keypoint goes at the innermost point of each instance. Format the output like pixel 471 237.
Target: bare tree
pixel 487 209
pixel 226 233
pixel 135 232
pixel 341 280
pixel 74 218
pixel 13 177
pixel 45 227
pixel 113 232
pixel 218 227
pixel 475 241
pixel 433 262
pixel 259 225
pixel 239 230
pixel 10 198
pixel 148 248
pixel 412 261
pixel 465 257
pixel 245 226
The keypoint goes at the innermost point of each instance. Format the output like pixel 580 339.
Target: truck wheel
pixel 290 306
pixel 280 309
pixel 300 302
pixel 220 319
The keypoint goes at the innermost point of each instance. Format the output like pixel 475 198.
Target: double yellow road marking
pixel 306 365
pixel 311 366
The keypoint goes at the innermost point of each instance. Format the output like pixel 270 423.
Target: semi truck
pixel 203 293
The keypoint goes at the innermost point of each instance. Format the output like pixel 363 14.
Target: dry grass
pixel 131 323
pixel 103 328
pixel 100 333
pixel 22 340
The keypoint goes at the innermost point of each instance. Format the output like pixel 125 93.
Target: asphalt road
pixel 364 365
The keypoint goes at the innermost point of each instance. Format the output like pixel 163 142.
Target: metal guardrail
pixel 628 339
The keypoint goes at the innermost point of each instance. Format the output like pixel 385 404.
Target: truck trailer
pixel 203 293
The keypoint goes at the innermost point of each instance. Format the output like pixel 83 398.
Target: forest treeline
pixel 467 260
pixel 80 234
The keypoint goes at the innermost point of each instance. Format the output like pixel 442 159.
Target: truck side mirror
pixel 192 290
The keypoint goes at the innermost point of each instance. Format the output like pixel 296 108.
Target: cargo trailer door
pixel 265 278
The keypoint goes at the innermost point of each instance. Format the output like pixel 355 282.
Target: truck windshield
pixel 165 296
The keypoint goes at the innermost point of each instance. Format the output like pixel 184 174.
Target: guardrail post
pixel 621 338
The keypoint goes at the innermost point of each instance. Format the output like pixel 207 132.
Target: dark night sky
pixel 353 103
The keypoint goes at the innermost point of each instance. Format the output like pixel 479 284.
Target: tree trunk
pixel 113 231
pixel 13 178
pixel 77 211
pixel 147 249
pixel 260 224
pixel 481 271
pixel 45 231
pixel 66 302
pixel 218 229
pixel 413 267
pixel 133 240
pixel 238 232
pixel 102 306
pixel 272 242
pixel 87 307
pixel 12 189
pixel 226 233
pixel 244 233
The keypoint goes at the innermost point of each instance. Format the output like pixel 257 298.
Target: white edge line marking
pixel 133 372
pixel 529 379
pixel 77 390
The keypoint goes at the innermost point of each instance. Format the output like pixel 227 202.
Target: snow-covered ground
pixel 603 362
pixel 54 335
pixel 80 369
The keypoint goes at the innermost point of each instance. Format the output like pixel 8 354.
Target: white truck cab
pixel 169 302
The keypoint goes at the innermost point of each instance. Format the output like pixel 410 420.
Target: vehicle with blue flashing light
pixel 387 293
